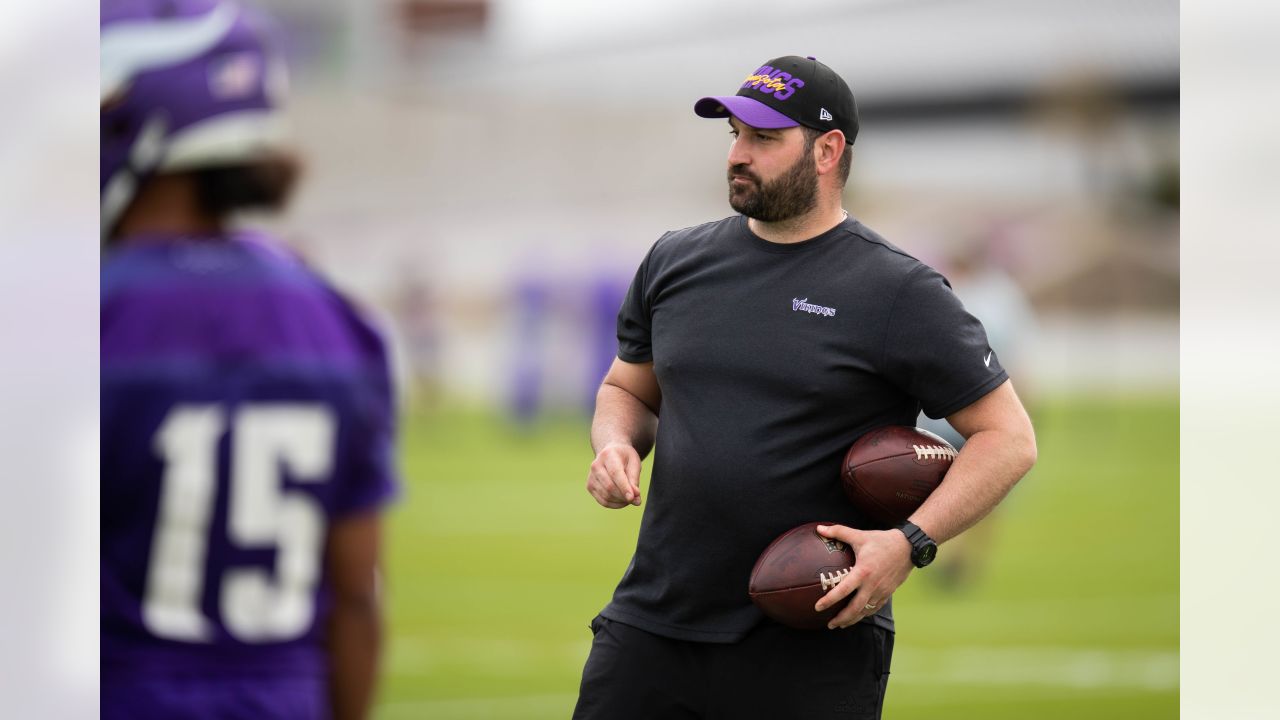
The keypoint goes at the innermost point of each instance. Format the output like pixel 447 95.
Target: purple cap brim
pixel 754 113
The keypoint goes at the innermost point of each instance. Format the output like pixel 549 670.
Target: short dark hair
pixel 846 160
pixel 264 185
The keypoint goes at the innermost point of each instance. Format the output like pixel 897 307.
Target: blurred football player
pixel 247 414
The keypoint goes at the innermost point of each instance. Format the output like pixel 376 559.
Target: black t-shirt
pixel 772 359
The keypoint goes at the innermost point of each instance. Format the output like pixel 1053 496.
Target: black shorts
pixel 774 672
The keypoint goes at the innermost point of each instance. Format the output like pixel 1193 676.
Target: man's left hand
pixel 883 563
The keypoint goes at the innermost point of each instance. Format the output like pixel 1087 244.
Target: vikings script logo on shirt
pixel 803 305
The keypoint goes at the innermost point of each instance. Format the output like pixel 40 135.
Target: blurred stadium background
pixel 484 176
pixel 487 174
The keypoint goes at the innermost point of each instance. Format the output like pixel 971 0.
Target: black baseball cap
pixel 786 92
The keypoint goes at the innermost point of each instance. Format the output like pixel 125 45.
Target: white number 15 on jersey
pixel 265 438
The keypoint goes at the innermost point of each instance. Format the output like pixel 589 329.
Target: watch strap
pixel 913 532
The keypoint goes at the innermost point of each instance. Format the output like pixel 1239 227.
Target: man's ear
pixel 828 150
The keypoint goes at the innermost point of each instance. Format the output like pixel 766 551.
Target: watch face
pixel 926 555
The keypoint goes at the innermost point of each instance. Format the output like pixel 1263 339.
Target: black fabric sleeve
pixel 634 318
pixel 936 351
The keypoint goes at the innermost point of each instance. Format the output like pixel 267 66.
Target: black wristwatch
pixel 923 548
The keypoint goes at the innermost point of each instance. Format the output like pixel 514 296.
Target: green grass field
pixel 497 560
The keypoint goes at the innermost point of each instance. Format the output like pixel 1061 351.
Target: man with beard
pixel 768 342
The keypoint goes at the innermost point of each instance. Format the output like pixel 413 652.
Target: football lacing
pixel 930 452
pixel 830 580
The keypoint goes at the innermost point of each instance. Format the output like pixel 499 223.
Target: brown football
pixel 795 571
pixel 890 471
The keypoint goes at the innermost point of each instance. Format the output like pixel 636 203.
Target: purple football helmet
pixel 186 84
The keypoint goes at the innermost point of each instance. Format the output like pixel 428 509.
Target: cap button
pixel 810 57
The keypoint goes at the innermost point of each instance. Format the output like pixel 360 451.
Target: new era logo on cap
pixel 824 115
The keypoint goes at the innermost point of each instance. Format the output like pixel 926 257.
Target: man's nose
pixel 738 154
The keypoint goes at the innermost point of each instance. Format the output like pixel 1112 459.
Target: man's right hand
pixel 614 480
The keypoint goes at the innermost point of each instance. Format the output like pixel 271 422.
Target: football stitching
pixel 830 580
pixel 932 452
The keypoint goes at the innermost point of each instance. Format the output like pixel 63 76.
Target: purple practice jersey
pixel 245 406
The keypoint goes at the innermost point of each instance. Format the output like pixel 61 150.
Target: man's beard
pixel 793 193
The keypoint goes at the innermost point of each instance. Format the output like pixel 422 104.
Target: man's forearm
pixel 622 418
pixel 988 466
